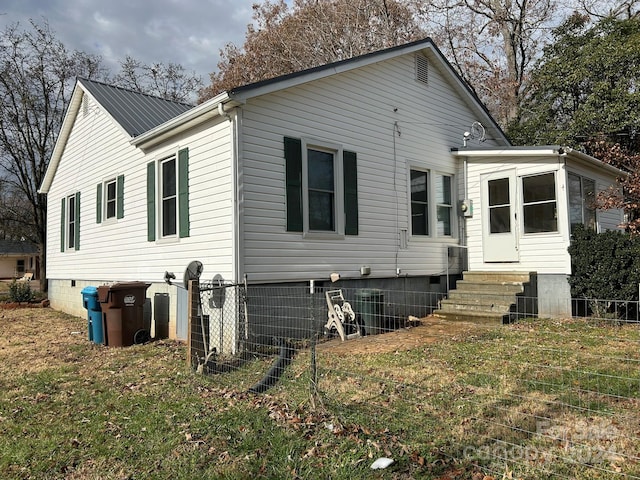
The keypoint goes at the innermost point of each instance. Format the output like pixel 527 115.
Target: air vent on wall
pixel 85 106
pixel 422 69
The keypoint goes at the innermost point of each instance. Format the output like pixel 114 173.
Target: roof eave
pixel 185 121
pixel 246 92
pixel 63 136
pixel 542 151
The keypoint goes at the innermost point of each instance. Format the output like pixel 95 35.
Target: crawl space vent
pixel 422 69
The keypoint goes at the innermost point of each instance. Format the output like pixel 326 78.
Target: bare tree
pixel 37 74
pixel 621 10
pixel 311 33
pixel 170 81
pixel 491 43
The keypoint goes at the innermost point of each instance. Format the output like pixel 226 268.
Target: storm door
pixel 499 229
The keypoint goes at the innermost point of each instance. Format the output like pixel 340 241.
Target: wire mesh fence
pixel 534 398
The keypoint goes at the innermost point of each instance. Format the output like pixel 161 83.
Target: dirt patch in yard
pixel 429 330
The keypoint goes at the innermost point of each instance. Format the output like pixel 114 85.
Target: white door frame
pixel 500 236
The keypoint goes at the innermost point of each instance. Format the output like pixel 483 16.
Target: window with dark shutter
pixel 313 202
pixel 293 160
pixel 183 192
pixel 151 202
pixel 350 170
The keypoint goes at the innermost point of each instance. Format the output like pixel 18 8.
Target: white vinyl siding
pixel 121 252
pixel 357 110
pixel 543 252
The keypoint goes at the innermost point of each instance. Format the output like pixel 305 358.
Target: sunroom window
pixel 539 203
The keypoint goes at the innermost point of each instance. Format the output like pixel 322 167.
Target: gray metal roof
pixel 135 112
pixel 17 247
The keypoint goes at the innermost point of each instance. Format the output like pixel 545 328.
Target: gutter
pixel 217 106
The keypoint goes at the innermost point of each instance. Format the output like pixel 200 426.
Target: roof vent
pixel 422 69
pixel 85 106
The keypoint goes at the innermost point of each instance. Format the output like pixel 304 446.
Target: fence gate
pixel 217 324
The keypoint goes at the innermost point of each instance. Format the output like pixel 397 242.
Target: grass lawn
pixel 541 399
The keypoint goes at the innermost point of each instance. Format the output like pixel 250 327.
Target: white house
pixel 357 168
pixel 18 258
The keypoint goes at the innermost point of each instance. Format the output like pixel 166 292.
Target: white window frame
pixel 160 198
pixel 338 190
pixel 433 176
pixel 429 228
pixel 539 202
pixel 583 199
pixel 105 200
pixel 70 223
pixel 449 205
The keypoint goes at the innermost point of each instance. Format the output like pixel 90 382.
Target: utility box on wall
pixel 161 315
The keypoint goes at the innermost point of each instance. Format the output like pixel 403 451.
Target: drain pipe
pixel 277 369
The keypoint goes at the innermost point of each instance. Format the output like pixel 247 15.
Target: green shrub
pixel 20 292
pixel 605 267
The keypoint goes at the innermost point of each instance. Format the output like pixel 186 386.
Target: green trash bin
pixel 370 307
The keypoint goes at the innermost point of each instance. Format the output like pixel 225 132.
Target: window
pixel 321 188
pixel 20 266
pixel 168 197
pixel 419 202
pixel 499 206
pixel 539 203
pixel 444 205
pixel 70 222
pixel 110 199
pixel 582 209
pixel 431 198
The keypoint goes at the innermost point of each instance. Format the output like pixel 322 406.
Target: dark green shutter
pixel 151 202
pixel 99 203
pixel 183 192
pixel 120 197
pixel 76 232
pixel 293 169
pixel 63 225
pixel 350 193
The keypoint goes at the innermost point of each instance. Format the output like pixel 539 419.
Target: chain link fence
pixel 534 398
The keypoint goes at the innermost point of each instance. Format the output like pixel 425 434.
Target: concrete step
pixel 480 297
pixel 475 306
pixel 490 287
pixel 474 317
pixel 496 277
pixel 483 297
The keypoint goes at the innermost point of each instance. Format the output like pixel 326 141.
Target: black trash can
pixel 123 306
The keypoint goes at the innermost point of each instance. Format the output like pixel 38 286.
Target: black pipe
pixel 277 369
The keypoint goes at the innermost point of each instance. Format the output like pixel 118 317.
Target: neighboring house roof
pixel 17 247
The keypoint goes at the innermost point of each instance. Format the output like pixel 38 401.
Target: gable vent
pixel 422 69
pixel 85 106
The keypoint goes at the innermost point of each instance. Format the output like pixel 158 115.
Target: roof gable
pixel 136 112
pixel 239 95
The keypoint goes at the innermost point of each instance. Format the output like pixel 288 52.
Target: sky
pixel 187 32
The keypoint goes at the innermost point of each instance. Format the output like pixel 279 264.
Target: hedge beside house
pixel 605 266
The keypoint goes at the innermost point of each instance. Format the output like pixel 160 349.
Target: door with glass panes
pixel 499 217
